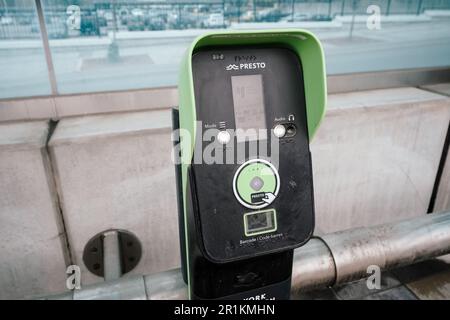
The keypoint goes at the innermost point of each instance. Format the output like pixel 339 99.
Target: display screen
pixel 260 222
pixel 248 100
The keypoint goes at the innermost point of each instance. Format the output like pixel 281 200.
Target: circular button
pixel 256 183
pixel 223 137
pixel 291 130
pixel 279 131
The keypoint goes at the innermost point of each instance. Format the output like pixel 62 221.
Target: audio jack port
pixel 291 130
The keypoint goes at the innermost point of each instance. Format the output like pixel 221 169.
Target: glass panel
pixel 385 35
pixel 119 45
pixel 23 70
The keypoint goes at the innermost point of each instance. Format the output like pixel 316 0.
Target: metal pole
pixel 115 28
pixel 239 11
pixel 343 256
pixel 223 12
pixel 97 26
pixel 387 246
pixel 46 45
pixel 313 266
pixel 293 9
pixel 179 16
pixel 352 25
pixel 111 256
pixel 388 9
pixel 6 7
pixel 419 7
pixel 332 259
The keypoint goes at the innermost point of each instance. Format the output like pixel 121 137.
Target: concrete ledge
pixel 440 88
pixel 115 171
pixel 32 243
pixel 27 109
pixel 87 104
pixel 23 135
pixel 442 202
pixel 390 98
pixel 57 107
pixel 376 155
pixel 88 129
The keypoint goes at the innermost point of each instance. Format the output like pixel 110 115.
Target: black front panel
pixel 221 218
pixel 212 281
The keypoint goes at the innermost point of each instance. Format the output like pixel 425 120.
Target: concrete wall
pixel 57 107
pixel 376 155
pixel 32 247
pixel 375 159
pixel 442 202
pixel 115 171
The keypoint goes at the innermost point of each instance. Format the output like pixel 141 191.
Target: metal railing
pixel 324 261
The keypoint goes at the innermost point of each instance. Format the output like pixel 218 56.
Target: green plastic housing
pixel 302 42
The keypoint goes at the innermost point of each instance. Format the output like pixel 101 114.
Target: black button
pixel 291 130
pixel 246 278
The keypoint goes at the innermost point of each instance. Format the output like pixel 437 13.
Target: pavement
pixel 23 68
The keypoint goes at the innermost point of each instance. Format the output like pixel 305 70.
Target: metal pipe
pixel 337 257
pixel 167 285
pixel 112 264
pixel 313 266
pixel 344 256
pixel 388 246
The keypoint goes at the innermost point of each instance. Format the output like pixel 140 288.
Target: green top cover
pixel 302 42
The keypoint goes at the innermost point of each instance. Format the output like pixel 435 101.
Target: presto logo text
pixel 245 66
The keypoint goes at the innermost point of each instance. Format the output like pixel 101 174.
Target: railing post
pixel 388 9
pixel 239 11
pixel 46 45
pixel 352 25
pixel 292 10
pixel 112 263
pixel 419 7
